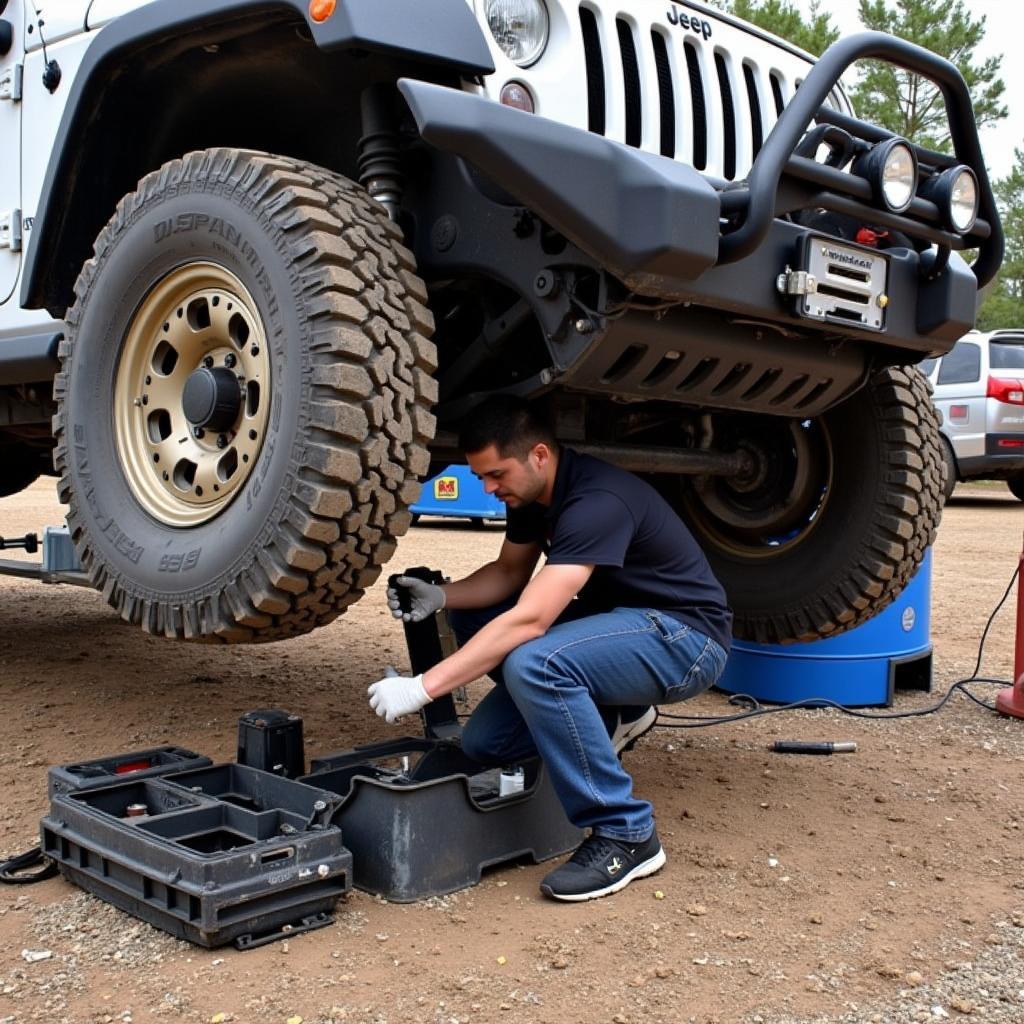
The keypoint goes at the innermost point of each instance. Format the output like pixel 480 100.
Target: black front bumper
pixel 665 230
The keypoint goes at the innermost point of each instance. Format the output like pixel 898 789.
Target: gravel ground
pixel 877 887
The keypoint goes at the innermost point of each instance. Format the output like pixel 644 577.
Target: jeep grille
pixel 709 102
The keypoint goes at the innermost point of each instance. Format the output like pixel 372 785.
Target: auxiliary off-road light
pixel 520 28
pixel 891 168
pixel 955 193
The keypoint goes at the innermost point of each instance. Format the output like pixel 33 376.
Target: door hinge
pixel 10 230
pixel 10 83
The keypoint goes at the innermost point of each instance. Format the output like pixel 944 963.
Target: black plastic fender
pixel 444 33
pixel 650 220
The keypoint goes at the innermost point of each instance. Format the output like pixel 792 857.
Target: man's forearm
pixel 489 585
pixel 482 652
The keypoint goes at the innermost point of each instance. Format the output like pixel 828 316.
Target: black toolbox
pixel 217 854
pixel 138 764
pixel 422 820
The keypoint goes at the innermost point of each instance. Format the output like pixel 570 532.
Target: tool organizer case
pixel 217 854
pixel 432 827
pixel 139 764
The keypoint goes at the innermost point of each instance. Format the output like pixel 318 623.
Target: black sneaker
pixel 602 866
pixel 632 723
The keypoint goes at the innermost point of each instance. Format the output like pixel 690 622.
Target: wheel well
pixel 268 88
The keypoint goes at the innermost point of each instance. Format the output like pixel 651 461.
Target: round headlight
pixel 897 175
pixel 963 198
pixel 520 28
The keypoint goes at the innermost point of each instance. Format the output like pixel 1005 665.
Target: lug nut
pixel 208 362
pixel 255 350
pixel 222 441
pixel 199 433
pixel 230 360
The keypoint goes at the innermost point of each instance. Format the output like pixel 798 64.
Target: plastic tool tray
pixel 421 819
pixel 218 854
pixel 139 764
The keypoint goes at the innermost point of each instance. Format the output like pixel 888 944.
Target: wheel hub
pixel 192 394
pixel 212 398
pixel 776 504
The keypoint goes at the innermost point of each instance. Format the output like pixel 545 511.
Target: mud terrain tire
pixel 870 529
pixel 339 431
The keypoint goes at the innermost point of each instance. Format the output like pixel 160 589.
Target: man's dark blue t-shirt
pixel 643 554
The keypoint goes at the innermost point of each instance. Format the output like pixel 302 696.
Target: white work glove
pixel 424 599
pixel 395 695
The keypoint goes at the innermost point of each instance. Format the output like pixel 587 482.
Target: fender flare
pixel 442 33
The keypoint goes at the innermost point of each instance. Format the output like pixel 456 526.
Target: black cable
pixel 13 871
pixel 984 632
pixel 811 703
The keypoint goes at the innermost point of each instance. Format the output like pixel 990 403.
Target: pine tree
pixel 1004 306
pixel 815 33
pixel 908 104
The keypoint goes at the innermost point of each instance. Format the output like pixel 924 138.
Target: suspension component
pixel 380 164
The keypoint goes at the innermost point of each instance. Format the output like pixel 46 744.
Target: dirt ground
pixel 880 886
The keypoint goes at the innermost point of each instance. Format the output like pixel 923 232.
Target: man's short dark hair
pixel 511 424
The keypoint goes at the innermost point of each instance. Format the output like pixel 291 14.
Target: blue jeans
pixel 550 694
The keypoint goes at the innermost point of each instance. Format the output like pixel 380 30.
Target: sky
pixel 1004 23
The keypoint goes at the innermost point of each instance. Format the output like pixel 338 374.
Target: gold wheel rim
pixel 182 473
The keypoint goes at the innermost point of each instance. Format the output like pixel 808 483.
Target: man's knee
pixel 524 667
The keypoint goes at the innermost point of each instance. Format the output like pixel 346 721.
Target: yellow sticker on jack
pixel 446 488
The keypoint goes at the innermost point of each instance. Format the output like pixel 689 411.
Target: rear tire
pixel 1016 485
pixel 949 465
pixel 286 501
pixel 872 499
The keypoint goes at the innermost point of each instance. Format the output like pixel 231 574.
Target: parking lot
pixel 868 887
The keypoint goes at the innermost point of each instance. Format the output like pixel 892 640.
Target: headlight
pixel 520 28
pixel 891 167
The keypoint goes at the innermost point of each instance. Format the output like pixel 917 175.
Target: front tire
pixel 243 402
pixel 837 521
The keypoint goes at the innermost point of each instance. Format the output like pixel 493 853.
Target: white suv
pixel 979 388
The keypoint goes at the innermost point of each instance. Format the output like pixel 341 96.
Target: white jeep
pixel 259 257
